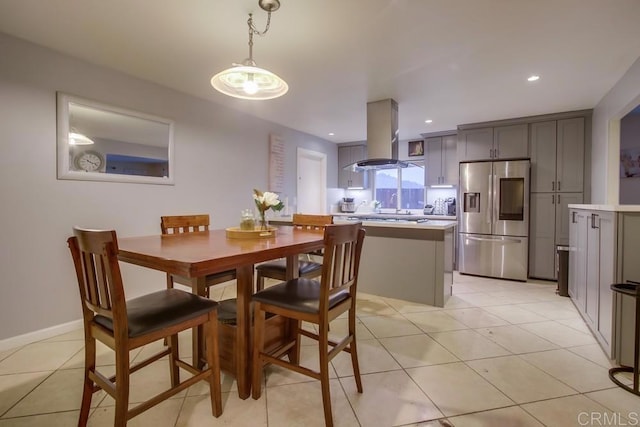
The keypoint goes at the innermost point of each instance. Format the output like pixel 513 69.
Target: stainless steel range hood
pixel 382 137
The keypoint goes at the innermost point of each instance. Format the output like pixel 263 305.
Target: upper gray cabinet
pixel 475 144
pixel 494 143
pixel 442 160
pixel 570 160
pixel 557 156
pixel 511 142
pixel 348 155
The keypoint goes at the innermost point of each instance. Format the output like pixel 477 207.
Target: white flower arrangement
pixel 264 201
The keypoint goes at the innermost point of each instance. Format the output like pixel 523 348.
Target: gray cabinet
pixel 475 144
pixel 442 160
pixel 500 142
pixel 577 256
pixel 348 155
pixel 562 215
pixel 511 142
pixel 570 160
pixel 557 156
pixel 593 268
pixel 542 236
pixel 601 250
pixel 557 165
pixel 549 228
pixel 625 307
pixel 606 274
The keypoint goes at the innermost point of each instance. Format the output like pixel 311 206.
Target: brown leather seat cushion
pixel 298 294
pixel 304 267
pixel 160 310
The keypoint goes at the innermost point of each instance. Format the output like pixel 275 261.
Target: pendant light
pixel 246 80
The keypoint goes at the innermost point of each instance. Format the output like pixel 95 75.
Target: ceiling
pixel 452 61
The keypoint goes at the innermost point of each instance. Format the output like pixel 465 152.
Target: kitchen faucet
pixel 364 202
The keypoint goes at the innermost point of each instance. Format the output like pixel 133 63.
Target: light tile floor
pixel 500 353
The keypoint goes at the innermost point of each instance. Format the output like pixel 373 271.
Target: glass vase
pixel 263 222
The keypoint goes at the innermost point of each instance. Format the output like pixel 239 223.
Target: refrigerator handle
pixel 489 201
pixel 496 201
pixel 501 240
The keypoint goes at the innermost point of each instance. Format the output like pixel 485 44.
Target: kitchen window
pixel 400 188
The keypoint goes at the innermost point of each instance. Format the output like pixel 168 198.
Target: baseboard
pixel 40 335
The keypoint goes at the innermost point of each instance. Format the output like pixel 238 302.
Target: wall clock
pixel 89 161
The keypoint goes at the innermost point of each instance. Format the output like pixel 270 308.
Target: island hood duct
pixel 382 138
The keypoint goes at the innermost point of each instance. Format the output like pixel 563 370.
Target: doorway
pixel 312 182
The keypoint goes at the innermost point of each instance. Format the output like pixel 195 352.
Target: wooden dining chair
pixel 307 268
pixel 124 325
pixel 317 302
pixel 189 224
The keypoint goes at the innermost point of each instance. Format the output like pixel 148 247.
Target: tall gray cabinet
pixel 557 151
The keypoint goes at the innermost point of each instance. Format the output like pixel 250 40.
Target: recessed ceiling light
pixel 428 121
pixel 331 133
pixel 533 78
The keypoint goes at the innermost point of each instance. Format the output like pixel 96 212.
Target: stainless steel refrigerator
pixel 494 219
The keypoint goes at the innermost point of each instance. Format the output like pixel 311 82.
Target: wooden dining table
pixel 195 255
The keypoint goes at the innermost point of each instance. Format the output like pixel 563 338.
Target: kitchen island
pixel 408 261
pixel 405 259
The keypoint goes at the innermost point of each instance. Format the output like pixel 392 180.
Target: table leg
pixel 293 270
pixel 244 277
pixel 198 288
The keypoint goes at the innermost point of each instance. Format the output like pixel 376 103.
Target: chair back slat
pixel 311 222
pixel 176 224
pixel 342 249
pixel 95 257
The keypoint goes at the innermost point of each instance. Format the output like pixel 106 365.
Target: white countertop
pixel 437 217
pixel 435 222
pixel 432 224
pixel 607 208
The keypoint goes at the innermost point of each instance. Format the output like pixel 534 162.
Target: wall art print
pixel 630 163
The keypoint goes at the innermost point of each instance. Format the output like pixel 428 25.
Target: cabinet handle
pixel 558 185
pixel 491 153
pixel 553 186
pixel 573 217
pixel 593 221
pixel 552 202
pixel 496 153
pixel 557 198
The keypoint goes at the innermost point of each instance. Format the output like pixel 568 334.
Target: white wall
pixel 605 152
pixel 220 155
